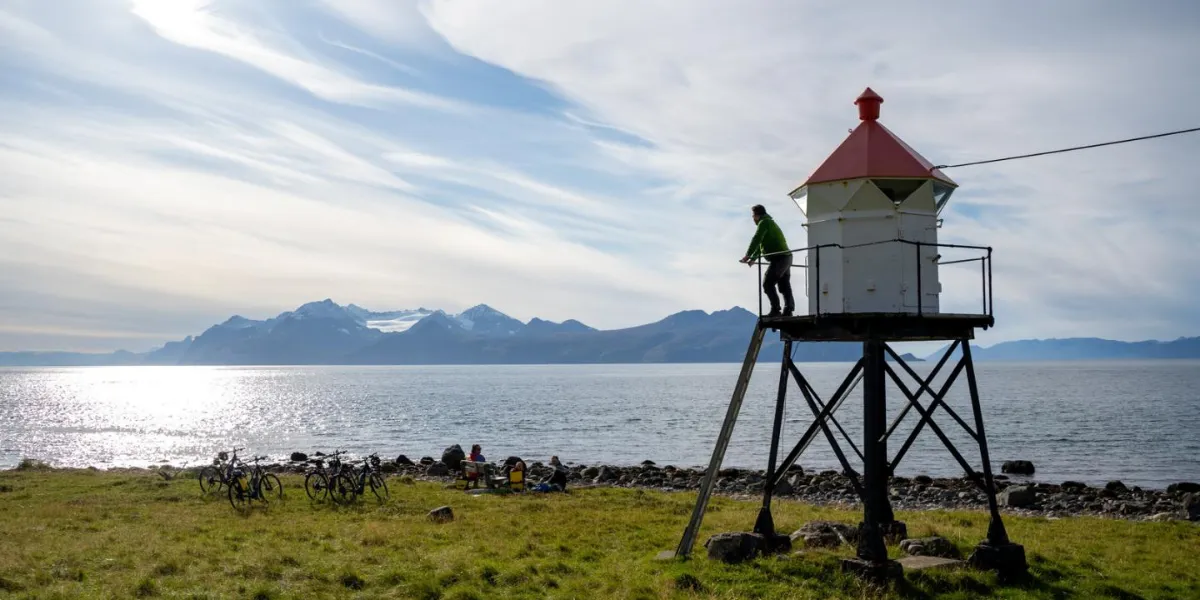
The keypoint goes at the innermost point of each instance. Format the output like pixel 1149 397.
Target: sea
pixel 1134 421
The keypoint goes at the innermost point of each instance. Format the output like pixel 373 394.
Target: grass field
pixel 90 534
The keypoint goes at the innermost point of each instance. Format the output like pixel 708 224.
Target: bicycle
pixel 352 484
pixel 220 473
pixel 259 486
pixel 316 481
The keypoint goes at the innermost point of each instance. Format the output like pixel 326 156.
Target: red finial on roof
pixel 868 105
pixel 874 151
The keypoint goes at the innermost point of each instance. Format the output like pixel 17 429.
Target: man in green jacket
pixel 768 240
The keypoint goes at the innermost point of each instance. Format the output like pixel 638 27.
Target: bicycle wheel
pixel 210 480
pixel 342 489
pixel 316 485
pixel 378 486
pixel 269 487
pixel 239 493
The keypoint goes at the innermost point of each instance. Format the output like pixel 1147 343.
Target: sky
pixel 165 164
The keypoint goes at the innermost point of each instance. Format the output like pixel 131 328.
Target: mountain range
pixel 328 333
pixel 325 332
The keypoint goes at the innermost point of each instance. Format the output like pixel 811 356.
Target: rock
pixel 438 469
pixel 923 479
pixel 591 472
pixel 1073 485
pixel 734 547
pixel 1116 486
pixel 427 460
pixel 930 546
pixel 299 457
pixel 403 460
pixel 825 534
pixel 1191 505
pixel 606 474
pixel 821 539
pixel 1183 487
pixel 512 460
pixel 1017 496
pixel 453 457
pixel 648 463
pixel 441 514
pixel 1164 516
pixel 1018 467
pixel 784 488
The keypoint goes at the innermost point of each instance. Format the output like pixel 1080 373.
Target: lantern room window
pixel 898 190
pixel 941 194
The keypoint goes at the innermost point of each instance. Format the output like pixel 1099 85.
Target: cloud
pixel 738 103
pixel 167 164
pixel 195 23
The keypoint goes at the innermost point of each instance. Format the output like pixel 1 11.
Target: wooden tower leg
pixel 765 524
pixel 872 559
pixel 996 552
pixel 714 465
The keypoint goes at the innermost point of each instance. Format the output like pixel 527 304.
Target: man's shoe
pixel 774 313
pixel 787 312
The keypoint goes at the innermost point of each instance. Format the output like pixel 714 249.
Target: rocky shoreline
pixel 1180 501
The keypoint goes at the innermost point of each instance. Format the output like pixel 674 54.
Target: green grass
pixel 90 534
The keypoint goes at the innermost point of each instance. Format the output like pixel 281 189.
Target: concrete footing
pixel 1008 560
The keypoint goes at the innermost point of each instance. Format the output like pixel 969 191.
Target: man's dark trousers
pixel 779 273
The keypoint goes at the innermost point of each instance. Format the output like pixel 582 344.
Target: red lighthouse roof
pixel 872 150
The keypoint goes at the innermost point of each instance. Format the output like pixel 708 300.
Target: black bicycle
pixel 220 473
pixel 317 480
pixel 255 485
pixel 350 483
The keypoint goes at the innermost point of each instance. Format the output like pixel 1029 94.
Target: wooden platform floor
pixel 899 327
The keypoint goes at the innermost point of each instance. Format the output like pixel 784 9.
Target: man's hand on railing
pixel 746 259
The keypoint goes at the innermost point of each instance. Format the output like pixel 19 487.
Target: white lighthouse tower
pixel 871 212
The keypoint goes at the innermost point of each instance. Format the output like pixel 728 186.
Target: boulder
pixel 453 457
pixel 1116 486
pixel 923 479
pixel 785 488
pixel 1191 505
pixel 441 514
pixel 299 457
pixel 734 547
pixel 825 534
pixel 427 460
pixel 1018 467
pixel 438 469
pixel 1074 485
pixel 404 460
pixel 930 546
pixel 1183 487
pixel 512 460
pixel 648 463
pixel 1017 496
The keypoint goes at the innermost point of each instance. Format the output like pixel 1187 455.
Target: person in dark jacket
pixel 768 242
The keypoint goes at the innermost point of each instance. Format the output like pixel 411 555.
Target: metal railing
pixel 985 269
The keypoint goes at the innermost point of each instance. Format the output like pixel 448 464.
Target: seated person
pixel 476 454
pixel 559 477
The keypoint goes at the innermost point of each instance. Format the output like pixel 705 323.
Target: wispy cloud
pixel 167 163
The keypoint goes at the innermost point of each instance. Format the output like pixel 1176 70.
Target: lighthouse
pixel 871 212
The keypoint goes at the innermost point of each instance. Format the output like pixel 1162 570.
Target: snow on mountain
pixel 325 309
pixel 396 321
pixel 240 322
pixel 487 320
